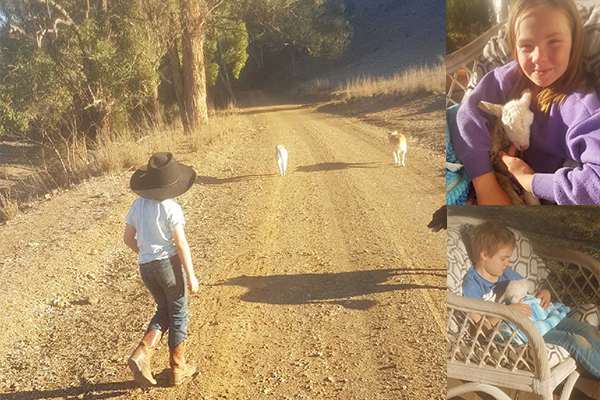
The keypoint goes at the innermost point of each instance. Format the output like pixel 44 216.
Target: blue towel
pixel 544 320
pixel 457 181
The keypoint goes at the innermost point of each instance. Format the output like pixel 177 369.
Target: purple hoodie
pixel 569 132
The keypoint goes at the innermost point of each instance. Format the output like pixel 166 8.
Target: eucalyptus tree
pixel 74 65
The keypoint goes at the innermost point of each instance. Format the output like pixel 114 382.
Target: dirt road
pixel 324 284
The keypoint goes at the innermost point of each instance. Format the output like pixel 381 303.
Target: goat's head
pixel 516 118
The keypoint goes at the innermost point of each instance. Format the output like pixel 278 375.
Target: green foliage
pixel 96 71
pixel 234 49
pixel 33 89
pixel 465 21
pixel 233 38
pixel 100 67
pixel 334 29
pixel 317 28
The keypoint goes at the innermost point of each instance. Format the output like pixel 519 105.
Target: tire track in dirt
pixel 351 190
pixel 332 182
pixel 418 186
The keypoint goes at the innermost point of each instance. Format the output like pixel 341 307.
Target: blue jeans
pixel 165 280
pixel 581 340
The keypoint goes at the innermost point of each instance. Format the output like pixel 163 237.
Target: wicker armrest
pixel 468 344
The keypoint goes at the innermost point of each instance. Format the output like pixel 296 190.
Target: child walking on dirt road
pixel 154 231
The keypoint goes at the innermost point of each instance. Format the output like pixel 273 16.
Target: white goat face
pixel 517 119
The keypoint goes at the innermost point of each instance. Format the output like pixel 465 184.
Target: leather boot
pixel 180 369
pixel 139 361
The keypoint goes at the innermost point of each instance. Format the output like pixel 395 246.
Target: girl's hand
pixel 193 284
pixel 522 308
pixel 545 297
pixel 522 172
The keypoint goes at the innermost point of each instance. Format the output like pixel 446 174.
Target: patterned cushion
pixel 586 312
pixel 556 354
pixel 523 260
pixel 497 53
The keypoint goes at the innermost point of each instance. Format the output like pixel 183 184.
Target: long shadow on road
pixel 331 288
pixel 274 108
pixel 88 390
pixel 326 166
pixel 330 166
pixel 211 180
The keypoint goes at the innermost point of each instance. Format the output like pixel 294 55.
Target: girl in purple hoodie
pixel 546 39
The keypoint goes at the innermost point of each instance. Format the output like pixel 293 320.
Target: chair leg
pixel 477 387
pixel 568 387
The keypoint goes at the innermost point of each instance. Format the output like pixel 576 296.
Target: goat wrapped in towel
pixel 544 320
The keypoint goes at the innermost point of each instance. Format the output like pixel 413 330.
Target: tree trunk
pixel 155 108
pixel 177 77
pixel 193 14
pixel 223 73
pixel 103 16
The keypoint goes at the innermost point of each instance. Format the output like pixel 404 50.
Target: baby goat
pixel 398 144
pixel 512 125
pixel 515 291
pixel 281 155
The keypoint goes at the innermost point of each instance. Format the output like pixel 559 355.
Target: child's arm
pixel 493 321
pixel 183 250
pixel 568 185
pixel 522 172
pixel 472 141
pixel 129 238
pixel 471 134
pixel 489 191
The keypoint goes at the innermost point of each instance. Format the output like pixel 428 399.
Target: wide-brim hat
pixel 162 178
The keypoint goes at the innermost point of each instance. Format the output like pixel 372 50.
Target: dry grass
pixel 67 162
pixel 424 78
pixel 219 125
pixel 316 87
pixel 9 206
pixel 127 150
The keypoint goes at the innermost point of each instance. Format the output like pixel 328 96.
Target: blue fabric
pixel 477 287
pixel 581 340
pixel 457 181
pixel 165 279
pixel 544 320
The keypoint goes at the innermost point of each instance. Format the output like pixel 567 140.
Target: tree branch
pixel 215 6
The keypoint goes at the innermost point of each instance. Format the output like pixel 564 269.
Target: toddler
pixel 154 231
pixel 491 246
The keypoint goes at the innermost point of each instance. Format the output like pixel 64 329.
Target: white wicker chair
pixel 484 365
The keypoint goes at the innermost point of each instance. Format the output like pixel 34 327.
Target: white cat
pixel 282 159
pixel 399 147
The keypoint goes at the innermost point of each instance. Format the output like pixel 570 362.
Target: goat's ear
pixel 490 108
pixel 526 96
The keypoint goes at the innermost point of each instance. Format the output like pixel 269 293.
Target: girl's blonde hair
pixel 490 236
pixel 575 76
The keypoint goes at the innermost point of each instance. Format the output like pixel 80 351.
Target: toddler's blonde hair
pixel 490 236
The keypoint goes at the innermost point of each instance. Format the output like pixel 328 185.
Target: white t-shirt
pixel 153 221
